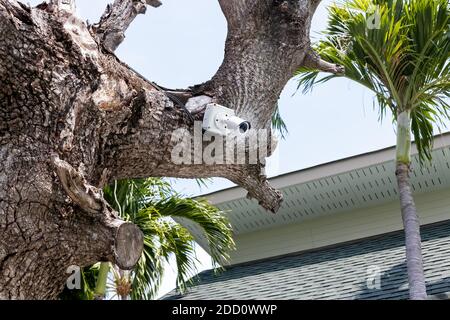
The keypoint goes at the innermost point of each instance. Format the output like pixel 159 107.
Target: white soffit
pixel 353 183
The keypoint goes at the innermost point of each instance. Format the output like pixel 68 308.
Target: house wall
pixel 337 228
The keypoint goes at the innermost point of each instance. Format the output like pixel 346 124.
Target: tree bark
pixel 73 118
pixel 416 279
pixel 414 261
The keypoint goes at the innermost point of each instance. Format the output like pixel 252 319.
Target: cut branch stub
pixel 128 245
pixel 314 61
pixel 154 3
pixel 253 180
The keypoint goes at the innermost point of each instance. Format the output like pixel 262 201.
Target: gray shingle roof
pixel 338 272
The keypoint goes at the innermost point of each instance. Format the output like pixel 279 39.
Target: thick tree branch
pixel 255 182
pixel 235 11
pixel 248 81
pixel 314 5
pixel 266 44
pixel 314 61
pixel 117 18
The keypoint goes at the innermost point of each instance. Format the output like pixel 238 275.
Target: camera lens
pixel 244 127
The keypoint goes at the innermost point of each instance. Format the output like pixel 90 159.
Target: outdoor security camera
pixel 222 121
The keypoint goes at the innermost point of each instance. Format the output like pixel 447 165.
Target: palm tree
pixel 399 49
pixel 150 203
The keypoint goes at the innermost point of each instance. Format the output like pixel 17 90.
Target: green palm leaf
pixel 404 61
pixel 150 204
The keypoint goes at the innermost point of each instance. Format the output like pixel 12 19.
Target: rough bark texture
pixel 416 279
pixel 73 118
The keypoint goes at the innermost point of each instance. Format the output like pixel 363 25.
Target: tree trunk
pixel 102 280
pixel 74 118
pixel 414 261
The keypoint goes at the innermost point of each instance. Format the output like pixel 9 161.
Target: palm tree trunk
pixel 416 277
pixel 100 287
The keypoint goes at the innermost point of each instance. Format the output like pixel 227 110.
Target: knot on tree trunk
pixel 403 169
pixel 126 237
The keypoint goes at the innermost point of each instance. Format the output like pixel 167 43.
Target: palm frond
pixel 150 204
pixel 162 239
pixel 404 60
pixel 278 123
pixel 211 220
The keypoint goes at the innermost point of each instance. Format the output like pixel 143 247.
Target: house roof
pixel 338 272
pixel 341 186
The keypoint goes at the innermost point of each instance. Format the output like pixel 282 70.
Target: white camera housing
pixel 220 120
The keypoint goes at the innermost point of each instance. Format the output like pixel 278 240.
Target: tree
pixel 400 51
pixel 74 118
pixel 149 203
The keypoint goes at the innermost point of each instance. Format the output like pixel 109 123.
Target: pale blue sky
pixel 181 44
